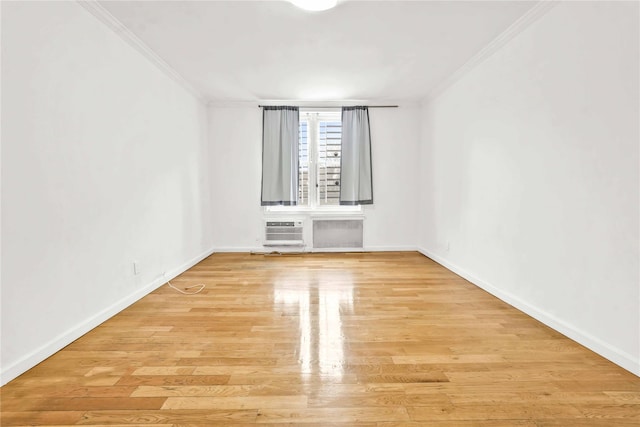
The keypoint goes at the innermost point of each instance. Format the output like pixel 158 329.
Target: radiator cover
pixel 338 233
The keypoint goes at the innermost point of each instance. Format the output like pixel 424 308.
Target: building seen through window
pixel 319 154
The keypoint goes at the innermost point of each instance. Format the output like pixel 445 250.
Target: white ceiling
pixel 361 50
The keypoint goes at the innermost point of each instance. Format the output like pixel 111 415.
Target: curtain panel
pixel 356 183
pixel 280 135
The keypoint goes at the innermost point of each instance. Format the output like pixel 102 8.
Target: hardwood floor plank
pixel 81 403
pixel 243 402
pixel 417 377
pixel 624 396
pixel 55 380
pixel 465 423
pixel 380 399
pixel 39 418
pixel 172 380
pixel 358 340
pixel 208 391
pixel 588 422
pixel 164 370
pixel 500 411
pixel 447 359
pixel 331 415
pixel 116 425
pixel 309 379
pixel 610 410
pixel 498 398
pixel 168 416
pixel 167 391
pixel 67 391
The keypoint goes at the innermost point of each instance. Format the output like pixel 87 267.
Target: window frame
pixel 313 193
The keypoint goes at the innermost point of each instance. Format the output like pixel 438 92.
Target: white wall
pixel 104 161
pixel 236 138
pixel 530 175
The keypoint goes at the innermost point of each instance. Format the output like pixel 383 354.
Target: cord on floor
pixel 201 285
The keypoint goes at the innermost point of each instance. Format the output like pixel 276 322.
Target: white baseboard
pixel 56 344
pixel 367 249
pixel 595 344
pixel 261 249
pixel 390 249
pixel 243 249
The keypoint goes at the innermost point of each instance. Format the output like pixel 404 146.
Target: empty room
pixel 320 213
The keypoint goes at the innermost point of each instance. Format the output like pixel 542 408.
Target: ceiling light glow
pixel 314 5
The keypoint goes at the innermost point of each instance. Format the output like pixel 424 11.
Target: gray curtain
pixel 356 184
pixel 280 135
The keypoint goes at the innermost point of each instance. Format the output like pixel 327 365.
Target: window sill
pixel 319 211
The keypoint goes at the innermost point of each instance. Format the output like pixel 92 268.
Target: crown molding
pixel 97 10
pixel 522 23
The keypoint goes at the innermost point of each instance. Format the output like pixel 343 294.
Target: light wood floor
pixel 379 339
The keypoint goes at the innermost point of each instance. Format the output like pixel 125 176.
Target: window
pixel 312 178
pixel 319 153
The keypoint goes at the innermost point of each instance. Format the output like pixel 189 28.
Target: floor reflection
pixel 320 304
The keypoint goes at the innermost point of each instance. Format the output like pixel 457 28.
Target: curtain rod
pixel 329 106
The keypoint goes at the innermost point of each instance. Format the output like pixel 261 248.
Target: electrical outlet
pixel 136 268
pixel 448 246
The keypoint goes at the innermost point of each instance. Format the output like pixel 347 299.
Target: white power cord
pixel 201 285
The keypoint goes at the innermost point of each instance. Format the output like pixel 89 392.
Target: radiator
pixel 283 233
pixel 337 233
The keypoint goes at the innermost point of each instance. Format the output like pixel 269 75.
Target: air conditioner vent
pixel 283 233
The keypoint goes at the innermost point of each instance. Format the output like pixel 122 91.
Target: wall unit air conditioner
pixel 283 233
